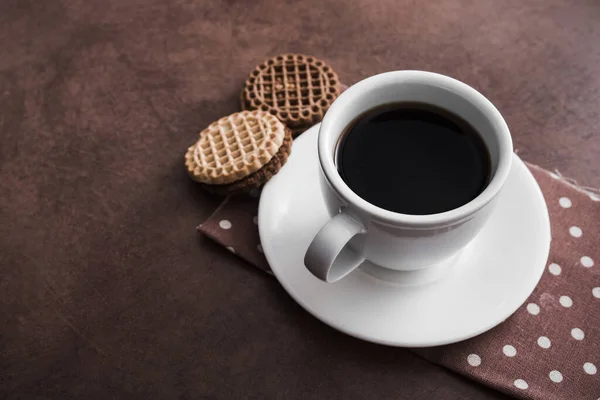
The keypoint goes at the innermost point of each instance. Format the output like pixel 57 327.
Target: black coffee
pixel 413 158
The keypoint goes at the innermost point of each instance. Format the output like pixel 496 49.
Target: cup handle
pixel 328 258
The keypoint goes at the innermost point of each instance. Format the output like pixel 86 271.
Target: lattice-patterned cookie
pixel 260 177
pixel 296 88
pixel 235 147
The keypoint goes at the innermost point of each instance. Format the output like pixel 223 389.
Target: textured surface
pixel 106 290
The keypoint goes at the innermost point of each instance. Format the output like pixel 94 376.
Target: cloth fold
pixel 548 349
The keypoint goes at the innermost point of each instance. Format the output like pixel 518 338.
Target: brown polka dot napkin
pixel 550 348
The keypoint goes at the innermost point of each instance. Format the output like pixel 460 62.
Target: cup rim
pixel 326 154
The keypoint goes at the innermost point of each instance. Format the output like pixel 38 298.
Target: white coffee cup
pixel 359 230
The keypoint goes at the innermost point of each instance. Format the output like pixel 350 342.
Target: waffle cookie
pixel 239 152
pixel 296 88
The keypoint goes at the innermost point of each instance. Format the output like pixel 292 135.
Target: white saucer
pixel 476 291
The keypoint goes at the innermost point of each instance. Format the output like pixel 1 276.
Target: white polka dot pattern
pixel 554 269
pixel 521 384
pixel 555 376
pixel 544 342
pixel 587 261
pixel 575 231
pixel 589 368
pixel 509 351
pixel 474 360
pixel 577 334
pixel 225 224
pixel 565 301
pixel 565 202
pixel 533 309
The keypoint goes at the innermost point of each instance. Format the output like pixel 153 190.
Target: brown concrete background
pixel 106 291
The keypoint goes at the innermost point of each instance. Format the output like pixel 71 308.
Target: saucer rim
pixel 542 256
